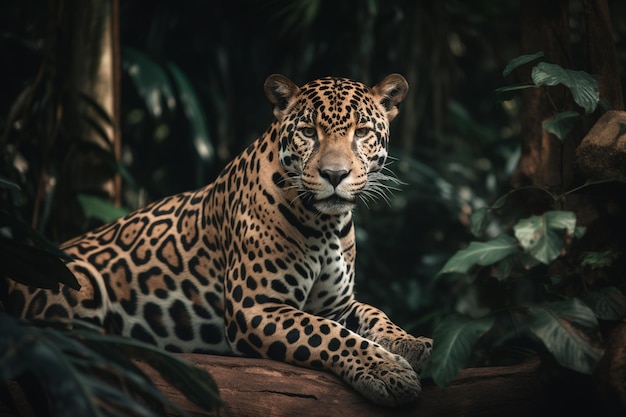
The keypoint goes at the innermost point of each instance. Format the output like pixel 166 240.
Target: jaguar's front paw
pixel 416 350
pixel 390 382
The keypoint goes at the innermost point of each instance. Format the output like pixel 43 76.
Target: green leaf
pixel 597 260
pixel 607 303
pixel 605 105
pixel 480 253
pixel 508 92
pixel 543 236
pixel 566 328
pixel 91 373
pixel 100 209
pixel 454 337
pixel 23 232
pixel 24 349
pixel 584 87
pixel 150 80
pixel 562 123
pixel 194 113
pixel 33 266
pixel 193 382
pixel 519 61
pixel 503 269
pixel 479 220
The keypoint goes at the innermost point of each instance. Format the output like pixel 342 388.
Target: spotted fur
pixel 260 262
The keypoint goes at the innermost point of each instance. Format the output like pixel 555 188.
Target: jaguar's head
pixel 333 137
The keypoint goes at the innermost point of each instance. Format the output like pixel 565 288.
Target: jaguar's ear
pixel 390 92
pixel 280 90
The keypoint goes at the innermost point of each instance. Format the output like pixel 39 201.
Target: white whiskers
pixel 379 186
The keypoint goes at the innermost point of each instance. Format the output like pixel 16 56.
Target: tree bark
pixel 256 387
pixel 544 27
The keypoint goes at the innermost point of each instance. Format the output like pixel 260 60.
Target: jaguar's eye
pixel 361 132
pixel 308 132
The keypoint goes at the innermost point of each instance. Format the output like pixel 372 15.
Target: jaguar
pixel 261 262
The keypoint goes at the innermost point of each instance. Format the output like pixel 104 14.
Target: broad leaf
pixel 519 61
pixel 567 329
pixel 480 253
pixel 454 338
pixel 544 236
pixel 34 266
pixel 607 303
pixel 584 87
pixel 23 232
pixel 151 82
pixel 562 123
pixel 194 113
pixel 100 209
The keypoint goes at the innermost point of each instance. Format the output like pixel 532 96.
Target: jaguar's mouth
pixel 334 204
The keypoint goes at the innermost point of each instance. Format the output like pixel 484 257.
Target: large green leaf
pixel 584 87
pixel 607 303
pixel 454 338
pixel 23 232
pixel 481 253
pixel 544 236
pixel 34 266
pixel 519 61
pixel 567 329
pixel 150 80
pixel 194 113
pixel 562 123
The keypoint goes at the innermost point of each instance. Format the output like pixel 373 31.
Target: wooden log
pixel 256 387
pixel 264 388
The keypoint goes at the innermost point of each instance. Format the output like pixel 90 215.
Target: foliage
pixel 538 271
pixel 85 372
pixel 27 255
pixel 584 88
pixel 566 325
pixel 165 127
pixel 81 370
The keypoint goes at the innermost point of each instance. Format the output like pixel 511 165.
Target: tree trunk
pixel 545 27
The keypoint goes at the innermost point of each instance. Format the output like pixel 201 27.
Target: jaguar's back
pixel 261 261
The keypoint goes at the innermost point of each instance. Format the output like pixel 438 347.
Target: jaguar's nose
pixel 334 176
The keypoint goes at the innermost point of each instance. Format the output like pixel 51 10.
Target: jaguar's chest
pixel 330 259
